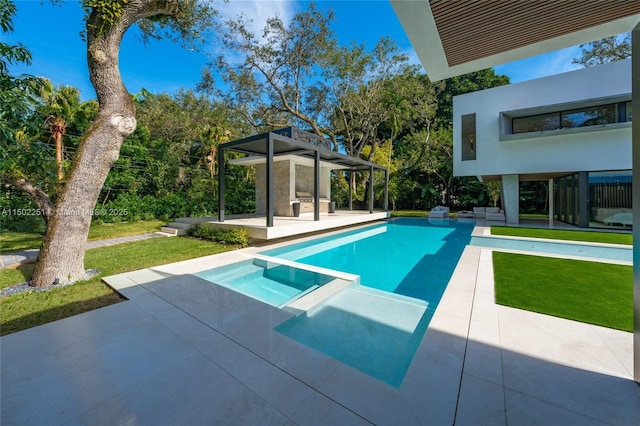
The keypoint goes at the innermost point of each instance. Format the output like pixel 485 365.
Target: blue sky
pixel 51 33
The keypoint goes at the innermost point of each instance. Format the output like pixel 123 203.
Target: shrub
pixel 236 237
pixel 203 231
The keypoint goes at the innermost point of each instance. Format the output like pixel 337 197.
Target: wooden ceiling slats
pixel 463 24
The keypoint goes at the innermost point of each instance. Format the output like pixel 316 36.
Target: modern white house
pixel 572 129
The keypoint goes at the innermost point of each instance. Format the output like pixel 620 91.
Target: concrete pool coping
pixel 180 351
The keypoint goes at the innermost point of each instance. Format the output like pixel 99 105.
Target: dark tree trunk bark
pixel 62 253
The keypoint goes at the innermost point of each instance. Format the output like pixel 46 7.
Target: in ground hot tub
pixel 271 282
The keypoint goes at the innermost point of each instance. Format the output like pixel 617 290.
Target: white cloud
pixel 258 11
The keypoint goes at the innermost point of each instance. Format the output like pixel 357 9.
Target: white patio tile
pixel 480 403
pixel 620 344
pixel 441 348
pixel 372 399
pixel 193 392
pixel 558 340
pixel 527 411
pixel 321 411
pixel 484 360
pixel 68 380
pixel 607 398
pixel 23 346
pixel 283 391
pixel 431 390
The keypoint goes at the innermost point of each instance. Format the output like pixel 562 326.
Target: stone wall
pixel 281 187
pixel 304 178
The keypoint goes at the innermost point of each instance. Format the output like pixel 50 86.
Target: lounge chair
pixel 479 212
pixel 494 213
pixel 439 212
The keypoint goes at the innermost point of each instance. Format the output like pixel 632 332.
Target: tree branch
pixel 38 196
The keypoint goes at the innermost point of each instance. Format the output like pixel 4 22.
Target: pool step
pixel 176 228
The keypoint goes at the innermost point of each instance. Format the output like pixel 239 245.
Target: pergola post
pixel 635 150
pixel 386 189
pixel 220 183
pixel 269 180
pixel 316 185
pixel 370 189
pixel 350 190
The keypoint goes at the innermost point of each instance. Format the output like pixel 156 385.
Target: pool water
pixel 374 331
pixel 404 268
pixel 270 282
pixel 563 248
pixel 407 256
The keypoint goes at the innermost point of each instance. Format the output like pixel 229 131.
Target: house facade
pixel 572 130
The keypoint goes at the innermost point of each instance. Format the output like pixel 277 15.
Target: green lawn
pixel 408 213
pixel 105 231
pixel 562 234
pixel 28 310
pixel 16 241
pixel 590 292
pixel 414 213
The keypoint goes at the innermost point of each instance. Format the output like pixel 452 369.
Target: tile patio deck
pixel 304 224
pixel 183 351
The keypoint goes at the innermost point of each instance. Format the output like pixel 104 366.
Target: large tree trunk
pixel 62 253
pixel 61 256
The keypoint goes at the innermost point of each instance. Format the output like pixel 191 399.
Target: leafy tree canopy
pixel 608 49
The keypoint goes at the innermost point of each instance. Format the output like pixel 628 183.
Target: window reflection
pixel 579 117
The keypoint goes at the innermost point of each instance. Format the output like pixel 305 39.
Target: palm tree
pixel 62 107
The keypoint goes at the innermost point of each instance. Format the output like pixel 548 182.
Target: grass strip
pixel 16 241
pixel 562 234
pixel 590 292
pixel 105 231
pixel 408 213
pixel 26 310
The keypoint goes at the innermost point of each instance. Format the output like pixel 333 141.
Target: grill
pixel 304 197
pixel 306 201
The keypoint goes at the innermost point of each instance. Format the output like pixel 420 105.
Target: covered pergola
pixel 454 37
pixel 292 141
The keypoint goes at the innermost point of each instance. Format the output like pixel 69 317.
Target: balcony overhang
pixel 454 37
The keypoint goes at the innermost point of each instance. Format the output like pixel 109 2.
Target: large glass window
pixel 536 123
pixel 610 199
pixel 604 114
pixel 469 142
pixel 579 117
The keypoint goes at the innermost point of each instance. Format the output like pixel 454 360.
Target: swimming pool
pixel 407 256
pixel 404 267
